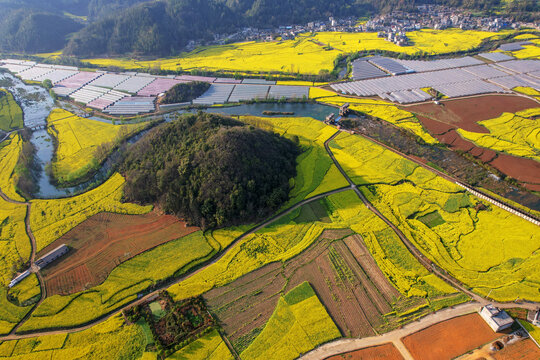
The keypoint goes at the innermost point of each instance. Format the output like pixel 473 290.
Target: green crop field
pixel 515 134
pixel 11 116
pixel 207 347
pixel 123 284
pixel 299 323
pixel 80 140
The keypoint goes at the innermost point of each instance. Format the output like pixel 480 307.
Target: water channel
pixel 37 104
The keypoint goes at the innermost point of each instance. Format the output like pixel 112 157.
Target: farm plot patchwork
pixel 237 304
pixel 102 242
pixel 299 323
pixel 124 283
pixel 486 249
pixel 516 134
pixel 10 151
pixel 83 143
pixel 376 108
pixel 11 116
pixel 111 339
pixel 316 172
pixel 307 54
pixel 468 115
pixel 51 219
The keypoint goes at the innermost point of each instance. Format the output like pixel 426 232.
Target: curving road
pixel 13 336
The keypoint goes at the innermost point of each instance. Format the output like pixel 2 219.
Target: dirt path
pixel 13 336
pixel 346 345
pixel 33 267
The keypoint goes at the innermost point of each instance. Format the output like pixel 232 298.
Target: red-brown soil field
pixel 102 242
pixel 450 338
pixel 443 120
pixel 522 350
pixel 342 272
pixel 381 352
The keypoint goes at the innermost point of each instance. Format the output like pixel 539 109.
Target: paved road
pixel 346 345
pixel 33 267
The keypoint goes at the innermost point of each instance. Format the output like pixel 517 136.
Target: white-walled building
pixel 496 318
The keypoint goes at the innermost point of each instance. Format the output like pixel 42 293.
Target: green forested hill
pixel 213 171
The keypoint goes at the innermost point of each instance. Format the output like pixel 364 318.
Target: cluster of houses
pixel 392 26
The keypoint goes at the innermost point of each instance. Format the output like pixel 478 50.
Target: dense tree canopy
pixel 164 27
pixel 184 92
pixel 212 170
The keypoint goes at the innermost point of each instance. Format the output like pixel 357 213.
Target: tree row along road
pixel 352 186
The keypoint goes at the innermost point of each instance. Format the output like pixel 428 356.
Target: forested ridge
pixel 212 170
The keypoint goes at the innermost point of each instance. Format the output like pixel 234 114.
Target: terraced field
pixel 83 143
pixel 376 108
pixel 501 263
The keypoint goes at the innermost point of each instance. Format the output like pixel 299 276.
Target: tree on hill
pixel 212 170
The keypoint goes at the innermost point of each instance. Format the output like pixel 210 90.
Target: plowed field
pixel 443 120
pixel 104 241
pixel 342 273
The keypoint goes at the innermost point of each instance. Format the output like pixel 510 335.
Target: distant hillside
pixel 164 27
pixel 24 30
pixel 212 170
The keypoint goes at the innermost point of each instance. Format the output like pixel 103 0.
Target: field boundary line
pixel 58 330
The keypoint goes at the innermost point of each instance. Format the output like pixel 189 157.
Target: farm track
pixel 13 336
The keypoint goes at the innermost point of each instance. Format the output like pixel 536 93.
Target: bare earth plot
pixel 102 242
pixel 443 120
pixel 450 338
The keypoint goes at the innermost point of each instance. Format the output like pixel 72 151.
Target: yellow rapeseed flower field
pixel 299 323
pixel 377 108
pixel 9 155
pixel 492 251
pixel 14 242
pixel 79 141
pixel 52 218
pixel 515 134
pixel 208 347
pixel 112 339
pixel 307 54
